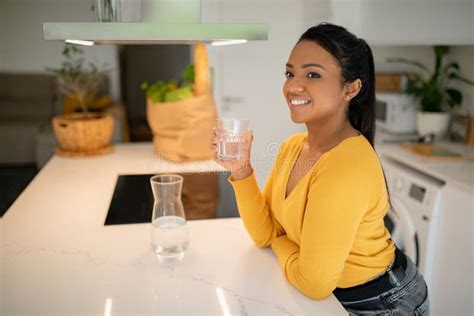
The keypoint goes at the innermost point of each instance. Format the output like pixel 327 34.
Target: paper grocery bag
pixel 182 130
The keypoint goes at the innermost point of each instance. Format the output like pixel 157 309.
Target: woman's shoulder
pixel 352 163
pixel 355 153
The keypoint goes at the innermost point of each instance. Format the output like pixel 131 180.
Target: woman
pixel 323 206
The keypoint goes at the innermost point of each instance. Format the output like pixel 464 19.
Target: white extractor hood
pixel 163 22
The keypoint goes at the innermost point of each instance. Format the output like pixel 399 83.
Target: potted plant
pixel 86 132
pixel 433 90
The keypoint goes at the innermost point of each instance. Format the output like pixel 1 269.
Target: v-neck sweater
pixel 329 231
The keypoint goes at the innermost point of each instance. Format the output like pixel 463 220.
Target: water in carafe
pixel 169 234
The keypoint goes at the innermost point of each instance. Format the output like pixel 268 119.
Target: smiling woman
pixel 317 86
pixel 322 208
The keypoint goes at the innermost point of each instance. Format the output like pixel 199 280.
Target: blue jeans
pixel 409 296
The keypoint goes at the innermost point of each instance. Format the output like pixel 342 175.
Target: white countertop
pixel 458 173
pixel 57 258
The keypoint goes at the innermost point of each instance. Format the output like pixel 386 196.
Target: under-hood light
pixel 230 42
pixel 80 42
pixel 167 22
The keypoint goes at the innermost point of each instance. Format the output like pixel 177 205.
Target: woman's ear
pixel 352 89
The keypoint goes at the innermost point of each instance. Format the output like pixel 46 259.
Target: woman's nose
pixel 295 86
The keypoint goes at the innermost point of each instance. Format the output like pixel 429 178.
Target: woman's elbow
pixel 316 290
pixel 319 294
pixel 264 240
pixel 262 243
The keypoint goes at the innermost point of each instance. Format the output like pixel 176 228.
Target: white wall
pixel 462 54
pixel 23 48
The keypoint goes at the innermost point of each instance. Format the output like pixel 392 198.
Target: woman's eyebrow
pixel 306 65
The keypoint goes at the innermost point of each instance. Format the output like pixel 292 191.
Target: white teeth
pixel 299 102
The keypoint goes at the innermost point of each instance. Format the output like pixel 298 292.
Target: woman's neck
pixel 324 136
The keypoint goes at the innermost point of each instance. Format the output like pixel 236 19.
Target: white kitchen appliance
pixel 416 198
pixel 395 113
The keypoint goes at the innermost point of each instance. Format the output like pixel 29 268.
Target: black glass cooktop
pixel 204 195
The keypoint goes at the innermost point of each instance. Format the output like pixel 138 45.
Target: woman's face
pixel 313 89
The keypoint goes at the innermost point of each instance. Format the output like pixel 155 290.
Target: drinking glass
pixel 169 235
pixel 230 138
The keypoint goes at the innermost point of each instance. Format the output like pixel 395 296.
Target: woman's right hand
pixel 241 168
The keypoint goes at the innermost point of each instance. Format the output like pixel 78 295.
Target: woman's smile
pixel 298 102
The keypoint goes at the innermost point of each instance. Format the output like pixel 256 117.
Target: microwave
pixel 395 113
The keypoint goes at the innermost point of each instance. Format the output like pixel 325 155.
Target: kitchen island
pixel 58 258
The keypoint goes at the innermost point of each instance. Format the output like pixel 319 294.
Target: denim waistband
pixel 377 286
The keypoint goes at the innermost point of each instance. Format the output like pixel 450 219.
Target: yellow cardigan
pixel 329 232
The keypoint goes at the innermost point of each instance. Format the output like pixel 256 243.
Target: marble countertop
pixel 57 258
pixel 458 173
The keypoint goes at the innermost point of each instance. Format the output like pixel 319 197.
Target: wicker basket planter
pixel 83 135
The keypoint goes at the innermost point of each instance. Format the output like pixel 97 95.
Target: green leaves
pixel 188 74
pixel 454 97
pixel 179 94
pixel 77 79
pixel 158 90
pixel 409 62
pixel 432 91
pixel 170 91
pixel 456 76
pixel 431 97
pixel 441 51
pixel 450 66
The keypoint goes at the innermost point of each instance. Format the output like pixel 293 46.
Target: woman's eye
pixel 313 75
pixel 288 74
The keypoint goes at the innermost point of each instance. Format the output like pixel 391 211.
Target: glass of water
pixel 169 234
pixel 230 138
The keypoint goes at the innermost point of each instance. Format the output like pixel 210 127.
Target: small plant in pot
pixel 433 90
pixel 84 132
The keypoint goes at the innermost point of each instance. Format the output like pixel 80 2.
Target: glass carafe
pixel 169 235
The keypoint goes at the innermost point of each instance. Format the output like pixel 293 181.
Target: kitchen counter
pixel 57 257
pixel 457 173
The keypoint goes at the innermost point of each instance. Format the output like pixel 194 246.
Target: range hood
pixel 163 22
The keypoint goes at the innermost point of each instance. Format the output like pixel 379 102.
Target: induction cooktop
pixel 204 195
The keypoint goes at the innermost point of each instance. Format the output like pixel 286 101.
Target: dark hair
pixel 356 62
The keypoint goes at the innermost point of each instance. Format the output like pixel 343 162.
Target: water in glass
pixel 230 146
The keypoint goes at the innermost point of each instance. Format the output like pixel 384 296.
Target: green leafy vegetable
pixel 170 91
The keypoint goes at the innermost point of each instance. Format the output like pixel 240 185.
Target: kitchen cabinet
pixel 453 285
pixel 399 23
